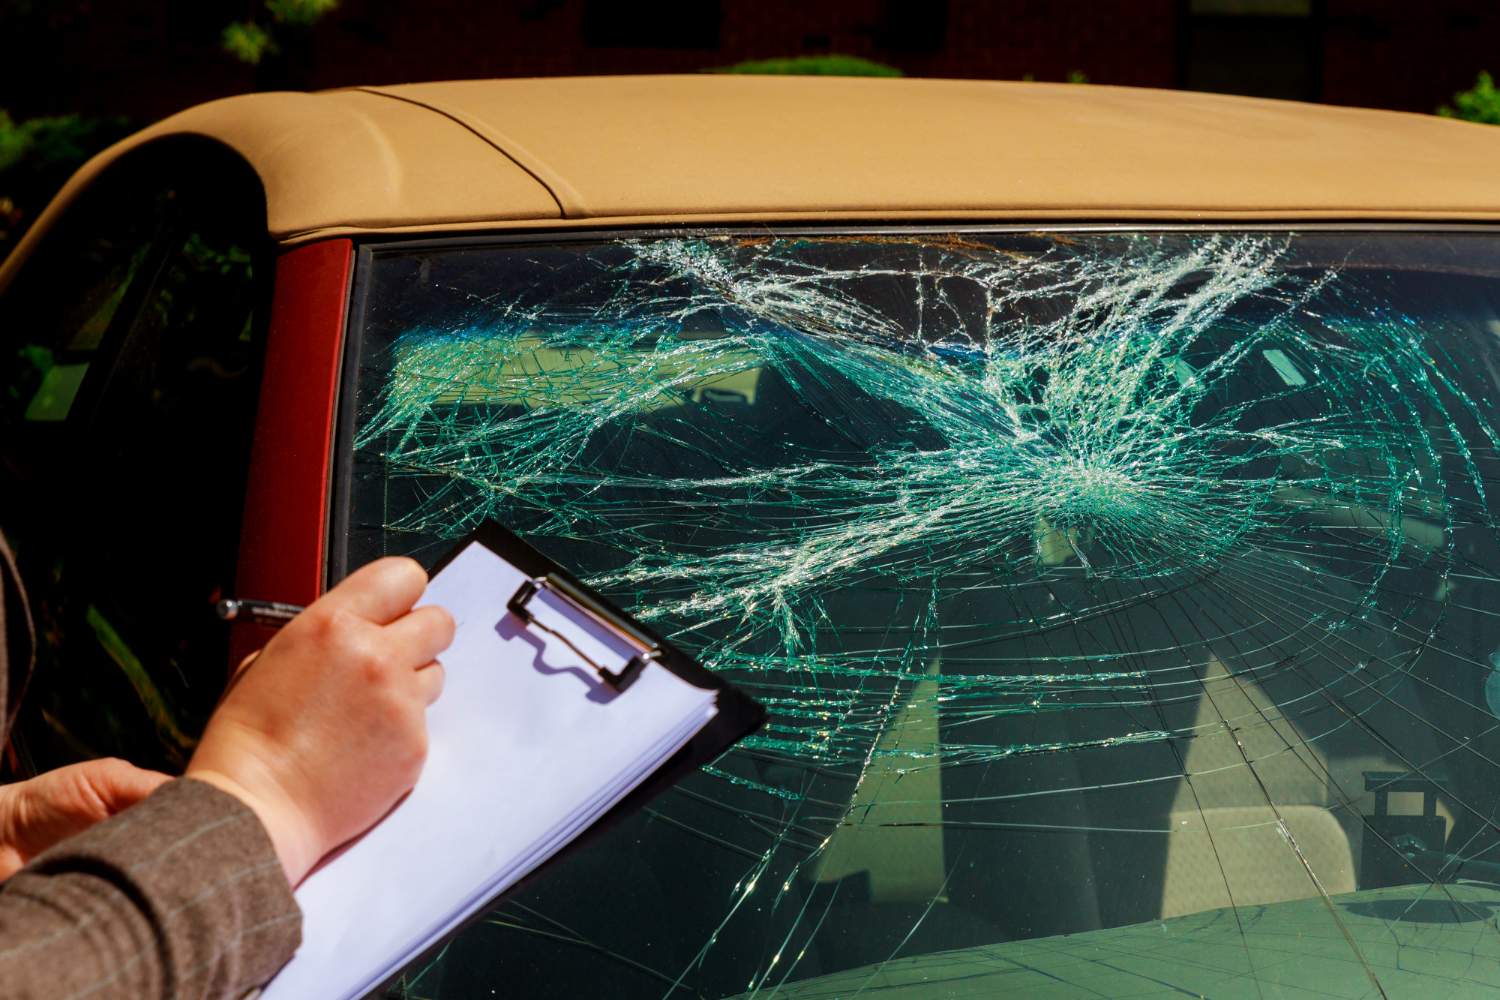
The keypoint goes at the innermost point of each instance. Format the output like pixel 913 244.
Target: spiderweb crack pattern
pixel 1106 508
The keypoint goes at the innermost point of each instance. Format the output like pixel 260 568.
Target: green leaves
pixel 1480 103
pixel 37 155
pixel 301 13
pixel 53 139
pixel 247 41
pixel 829 65
pixel 250 42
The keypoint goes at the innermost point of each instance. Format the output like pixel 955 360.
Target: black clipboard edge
pixel 738 716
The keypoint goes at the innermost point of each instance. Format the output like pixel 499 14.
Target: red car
pixel 1096 484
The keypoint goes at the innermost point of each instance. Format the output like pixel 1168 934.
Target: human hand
pixel 327 728
pixel 41 811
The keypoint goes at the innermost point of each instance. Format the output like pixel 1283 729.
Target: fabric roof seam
pixel 569 203
pixel 266 128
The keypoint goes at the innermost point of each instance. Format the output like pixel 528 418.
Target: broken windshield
pixel 1124 603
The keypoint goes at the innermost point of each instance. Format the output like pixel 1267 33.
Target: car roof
pixel 718 148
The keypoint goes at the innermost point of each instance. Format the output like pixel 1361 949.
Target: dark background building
pixel 146 58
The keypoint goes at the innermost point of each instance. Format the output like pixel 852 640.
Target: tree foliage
pixel 827 65
pixel 299 13
pixel 37 155
pixel 246 41
pixel 251 41
pixel 1480 103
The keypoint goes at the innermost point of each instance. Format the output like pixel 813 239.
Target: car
pixel 1097 485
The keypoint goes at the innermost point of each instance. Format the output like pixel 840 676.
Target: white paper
pixel 527 749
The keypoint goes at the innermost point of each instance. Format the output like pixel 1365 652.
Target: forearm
pixel 179 896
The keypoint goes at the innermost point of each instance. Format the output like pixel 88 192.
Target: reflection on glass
pixel 1124 602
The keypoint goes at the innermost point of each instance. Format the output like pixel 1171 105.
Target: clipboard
pixel 532 583
pixel 739 714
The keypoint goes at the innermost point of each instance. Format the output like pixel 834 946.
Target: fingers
pixel 430 682
pixel 419 637
pixel 245 664
pixel 118 784
pixel 381 591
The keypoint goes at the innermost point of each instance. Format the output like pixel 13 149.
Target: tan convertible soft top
pixel 711 148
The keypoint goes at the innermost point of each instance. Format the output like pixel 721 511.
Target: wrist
pixel 12 856
pixel 295 846
pixel 10 804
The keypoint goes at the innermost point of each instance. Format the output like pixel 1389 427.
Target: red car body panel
pixel 284 533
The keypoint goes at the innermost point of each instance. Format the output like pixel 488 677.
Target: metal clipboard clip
pixel 609 619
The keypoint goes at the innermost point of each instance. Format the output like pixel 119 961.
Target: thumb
pixel 118 784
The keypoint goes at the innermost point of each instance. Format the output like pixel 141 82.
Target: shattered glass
pixel 1124 602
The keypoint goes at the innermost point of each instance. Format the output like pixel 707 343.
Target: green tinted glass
pixel 1124 602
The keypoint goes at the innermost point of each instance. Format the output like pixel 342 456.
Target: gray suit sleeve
pixel 179 896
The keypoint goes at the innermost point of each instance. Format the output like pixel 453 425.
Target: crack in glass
pixel 1123 603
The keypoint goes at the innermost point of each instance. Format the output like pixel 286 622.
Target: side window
pixel 58 311
pixel 129 354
